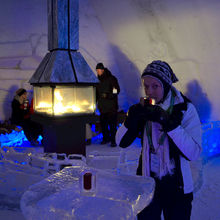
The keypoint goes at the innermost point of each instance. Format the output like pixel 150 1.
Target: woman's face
pixel 153 88
pixel 24 96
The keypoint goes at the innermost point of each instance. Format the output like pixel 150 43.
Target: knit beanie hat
pixel 162 71
pixel 100 66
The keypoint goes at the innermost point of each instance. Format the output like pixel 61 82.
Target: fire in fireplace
pixel 62 100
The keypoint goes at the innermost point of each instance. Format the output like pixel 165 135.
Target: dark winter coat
pixel 107 101
pixel 18 112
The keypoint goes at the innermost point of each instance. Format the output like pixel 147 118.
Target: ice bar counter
pixel 108 196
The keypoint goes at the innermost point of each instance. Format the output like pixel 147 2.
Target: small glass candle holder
pixel 88 183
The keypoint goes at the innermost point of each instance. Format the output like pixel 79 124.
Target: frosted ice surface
pixel 207 198
pixel 59 196
pixel 20 170
pixel 15 177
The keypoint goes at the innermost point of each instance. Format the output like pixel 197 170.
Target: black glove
pixel 111 96
pixel 108 95
pixel 136 117
pixel 134 122
pixel 157 114
pixel 104 95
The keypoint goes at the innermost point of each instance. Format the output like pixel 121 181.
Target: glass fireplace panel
pixel 74 100
pixel 43 100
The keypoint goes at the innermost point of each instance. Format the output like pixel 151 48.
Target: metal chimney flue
pixel 63 25
pixel 63 64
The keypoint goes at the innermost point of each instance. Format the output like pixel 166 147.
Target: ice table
pixel 59 196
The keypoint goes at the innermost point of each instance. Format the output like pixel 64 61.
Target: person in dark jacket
pixel 21 116
pixel 171 138
pixel 107 97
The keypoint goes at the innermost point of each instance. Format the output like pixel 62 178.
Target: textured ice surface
pixel 19 170
pixel 16 175
pixel 59 197
pixel 206 201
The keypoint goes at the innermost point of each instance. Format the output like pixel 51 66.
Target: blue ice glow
pixel 98 136
pixel 15 138
pixel 211 138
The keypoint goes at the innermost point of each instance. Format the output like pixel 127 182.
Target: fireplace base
pixel 64 134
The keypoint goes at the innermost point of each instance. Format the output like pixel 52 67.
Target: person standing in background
pixel 107 98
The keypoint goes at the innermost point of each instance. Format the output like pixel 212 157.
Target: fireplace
pixel 64 84
pixel 63 100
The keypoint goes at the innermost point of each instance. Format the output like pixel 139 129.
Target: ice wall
pixel 125 35
pixel 23 43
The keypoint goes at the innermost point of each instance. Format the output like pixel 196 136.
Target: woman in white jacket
pixel 171 138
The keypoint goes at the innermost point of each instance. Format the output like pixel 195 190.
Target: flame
pixel 92 107
pixel 60 107
pixel 58 96
pixel 76 108
pixel 84 102
pixel 44 105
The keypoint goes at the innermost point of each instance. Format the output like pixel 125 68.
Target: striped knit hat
pixel 160 70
